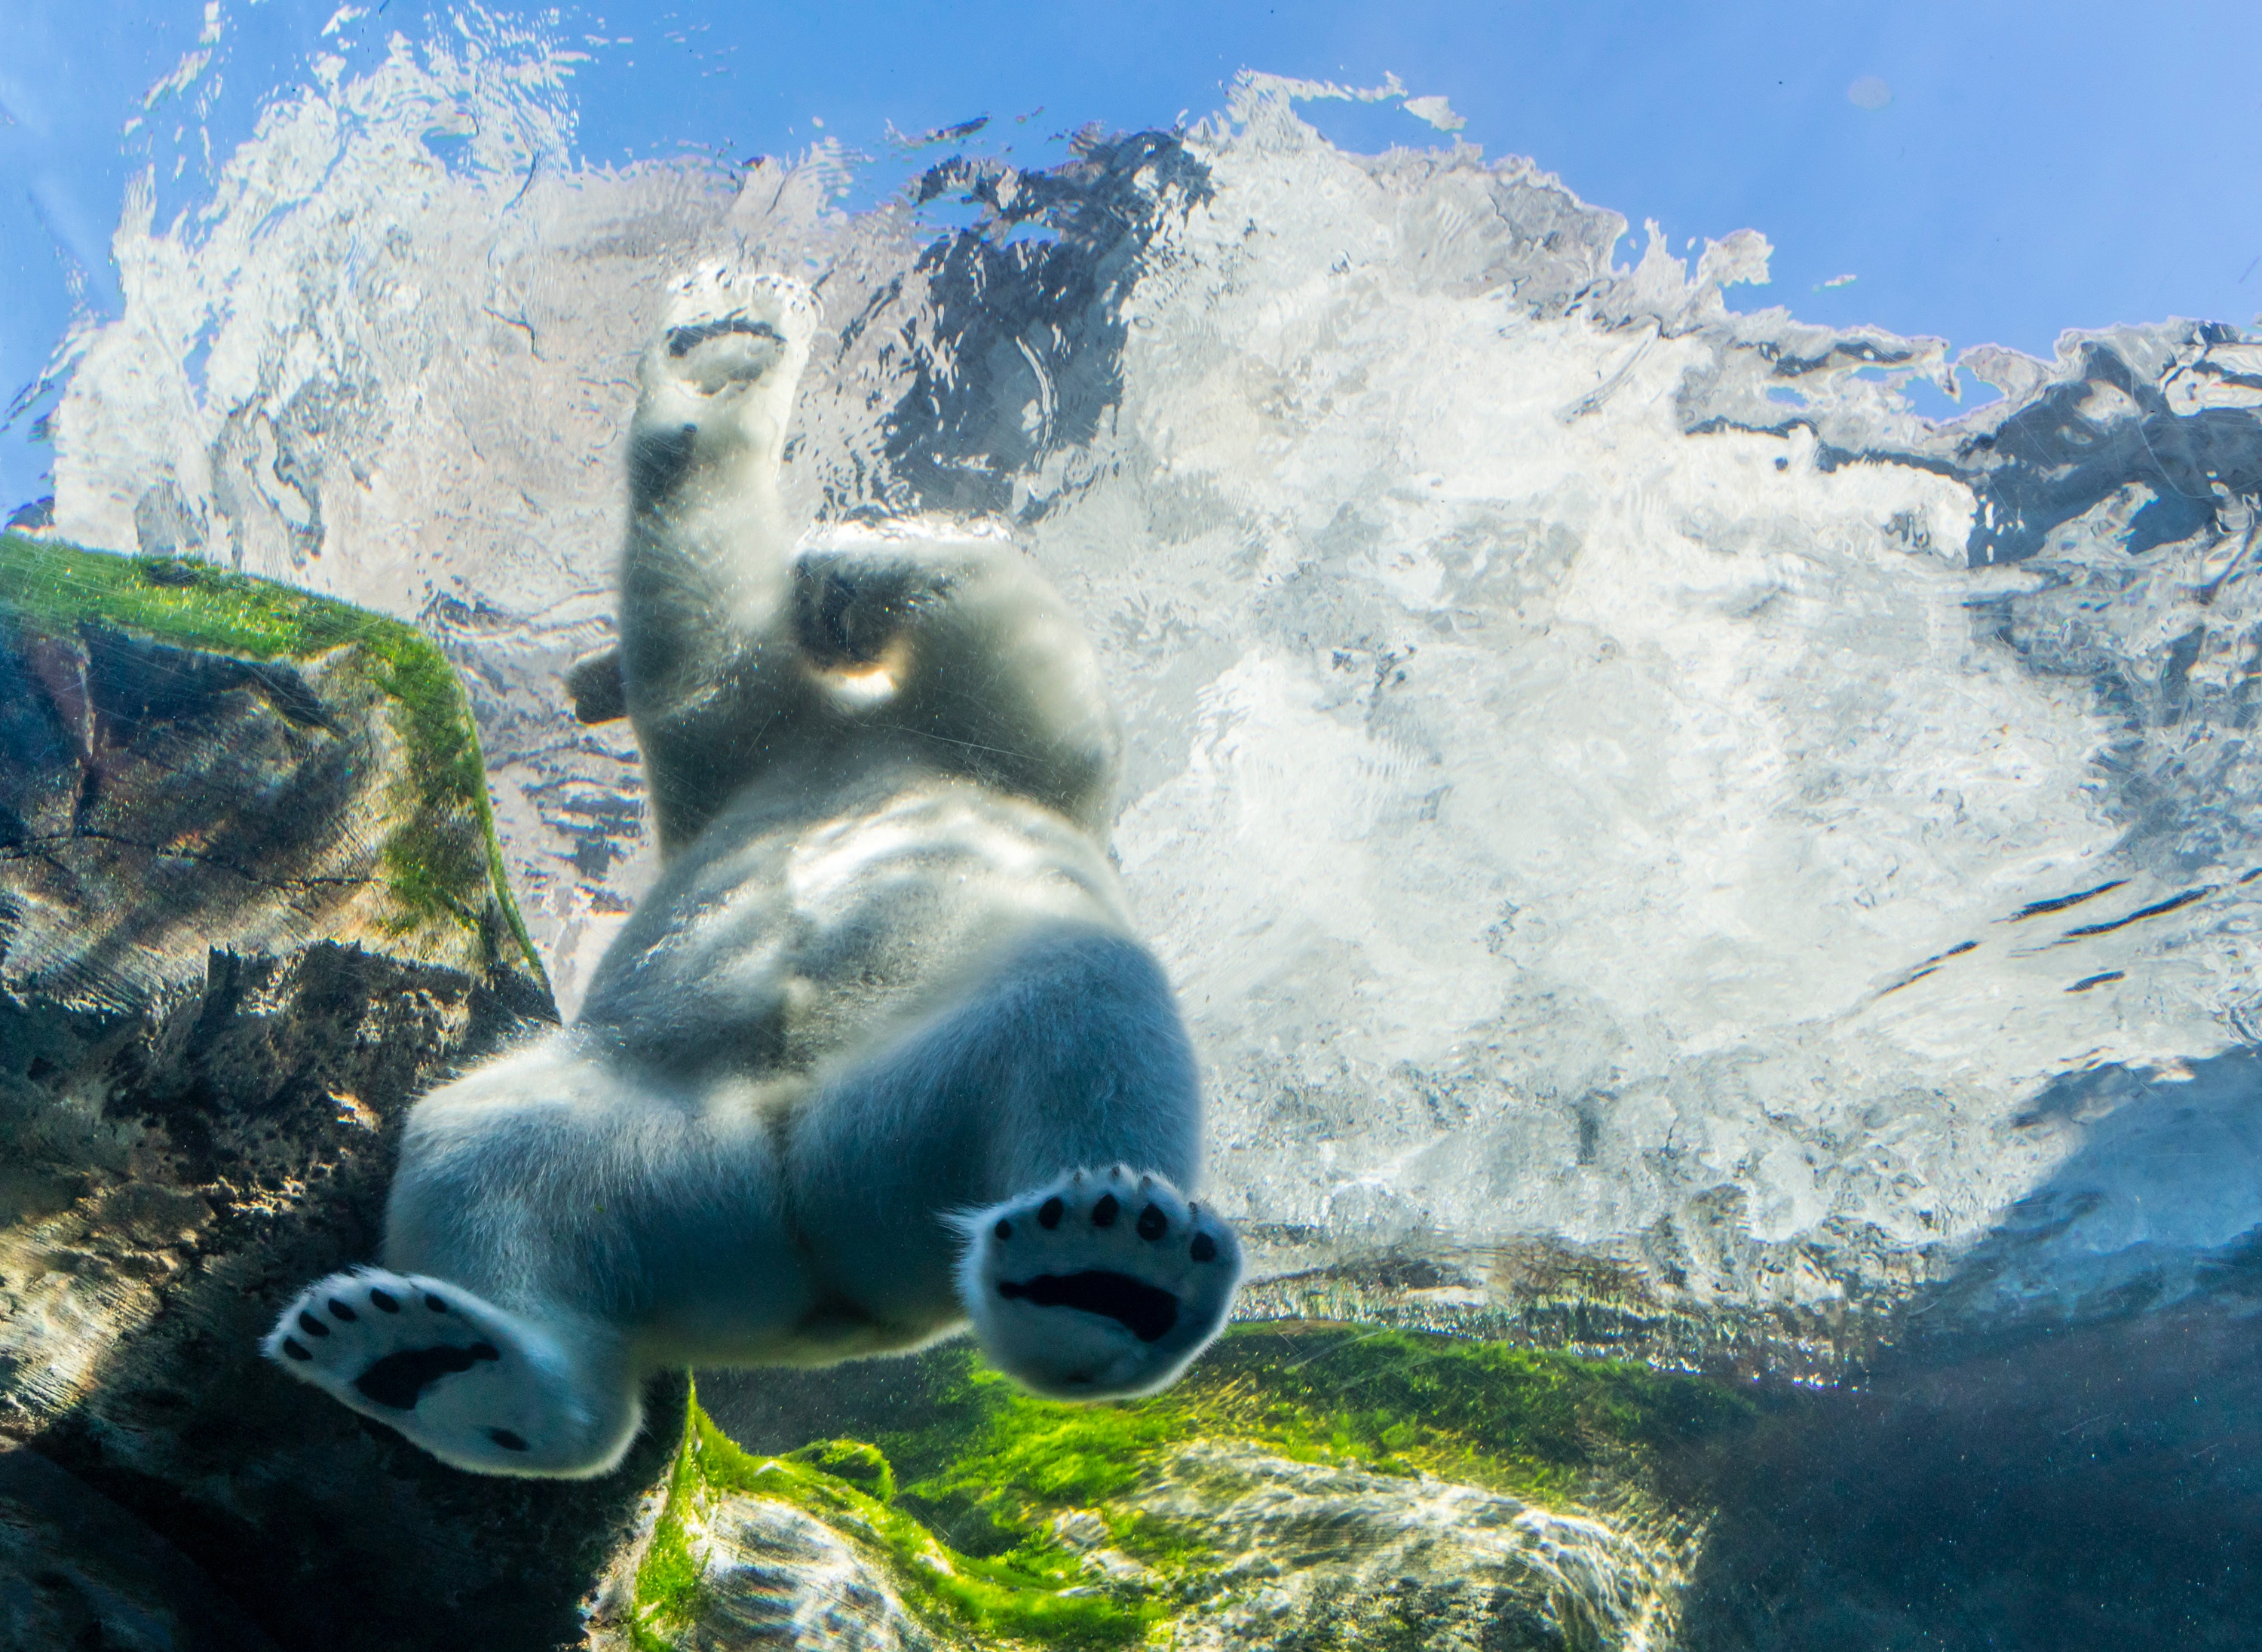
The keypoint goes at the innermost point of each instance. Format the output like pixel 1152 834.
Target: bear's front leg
pixel 1102 1284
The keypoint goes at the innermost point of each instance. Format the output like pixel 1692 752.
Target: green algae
pixel 861 1466
pixel 435 871
pixel 964 1489
pixel 1547 1427
pixel 1537 1425
pixel 667 1587
pixel 1033 1594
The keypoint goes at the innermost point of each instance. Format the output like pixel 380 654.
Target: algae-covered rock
pixel 196 760
pixel 733 1558
pixel 1306 1488
pixel 1320 1555
pixel 249 907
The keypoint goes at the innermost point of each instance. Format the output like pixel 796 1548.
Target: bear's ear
pixel 594 683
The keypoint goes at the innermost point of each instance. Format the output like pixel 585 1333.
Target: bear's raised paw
pixel 723 328
pixel 1104 1283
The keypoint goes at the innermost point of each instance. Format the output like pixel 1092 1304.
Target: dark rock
pixel 77 1571
pixel 2078 1487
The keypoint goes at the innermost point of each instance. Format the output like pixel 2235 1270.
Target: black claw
pixel 1153 1224
pixel 435 1303
pixel 1048 1214
pixel 505 1438
pixel 1204 1248
pixel 342 1311
pixel 311 1325
pixel 384 1300
pixel 1103 1214
pixel 290 1346
pixel 1004 1230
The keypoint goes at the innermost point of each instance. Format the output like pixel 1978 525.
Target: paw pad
pixel 681 341
pixel 471 1383
pixel 1081 1303
pixel 723 328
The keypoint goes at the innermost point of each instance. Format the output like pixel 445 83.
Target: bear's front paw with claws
pixel 1105 1283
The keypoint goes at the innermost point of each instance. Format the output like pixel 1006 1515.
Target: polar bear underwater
pixel 876 1055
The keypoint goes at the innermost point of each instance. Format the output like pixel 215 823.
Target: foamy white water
pixel 1590 750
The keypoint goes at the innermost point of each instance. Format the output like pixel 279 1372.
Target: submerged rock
pixel 77 1571
pixel 774 1575
pixel 1324 1555
pixel 1299 1555
pixel 249 907
pixel 1305 1488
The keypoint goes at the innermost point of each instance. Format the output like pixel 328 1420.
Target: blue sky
pixel 2037 165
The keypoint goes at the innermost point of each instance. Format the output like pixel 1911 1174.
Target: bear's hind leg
pixel 479 1388
pixel 1102 1284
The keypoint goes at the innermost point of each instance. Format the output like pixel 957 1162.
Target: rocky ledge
pixel 249 907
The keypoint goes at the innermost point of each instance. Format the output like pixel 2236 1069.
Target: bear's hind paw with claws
pixel 1102 1284
pixel 476 1386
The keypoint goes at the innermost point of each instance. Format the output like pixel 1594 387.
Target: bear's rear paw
pixel 476 1387
pixel 1105 1283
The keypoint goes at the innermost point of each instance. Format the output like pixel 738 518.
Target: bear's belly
pixel 776 947
pixel 789 1327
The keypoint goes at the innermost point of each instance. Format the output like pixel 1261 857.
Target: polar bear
pixel 877 1055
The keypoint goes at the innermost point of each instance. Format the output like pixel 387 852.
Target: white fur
pixel 881 1006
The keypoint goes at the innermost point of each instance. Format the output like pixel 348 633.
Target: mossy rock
pixel 1307 1485
pixel 250 908
pixel 202 756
